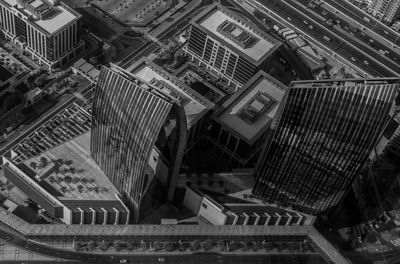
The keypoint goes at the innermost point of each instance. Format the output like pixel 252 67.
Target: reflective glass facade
pixel 127 118
pixel 323 134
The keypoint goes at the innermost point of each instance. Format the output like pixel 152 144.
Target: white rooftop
pixel 261 83
pixel 256 52
pixel 53 23
pixel 194 109
pixel 36 3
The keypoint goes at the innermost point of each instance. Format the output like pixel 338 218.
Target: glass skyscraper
pixel 322 135
pixel 128 133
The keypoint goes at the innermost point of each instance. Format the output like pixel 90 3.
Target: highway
pixel 347 31
pixel 314 30
pixel 358 15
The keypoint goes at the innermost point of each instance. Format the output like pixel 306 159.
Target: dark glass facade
pixel 323 133
pixel 127 118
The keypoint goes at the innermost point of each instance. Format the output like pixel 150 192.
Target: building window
pixel 204 205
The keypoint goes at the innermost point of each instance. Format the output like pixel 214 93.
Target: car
pixel 161 259
pixel 324 13
pixel 305 22
pixel 366 62
pixel 353 59
pixel 123 261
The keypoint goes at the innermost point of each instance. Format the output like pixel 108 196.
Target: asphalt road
pixel 359 39
pixel 318 31
pixel 358 15
pixel 199 258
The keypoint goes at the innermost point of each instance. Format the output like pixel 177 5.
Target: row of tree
pixel 196 245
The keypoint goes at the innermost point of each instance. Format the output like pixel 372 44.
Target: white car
pixel 161 259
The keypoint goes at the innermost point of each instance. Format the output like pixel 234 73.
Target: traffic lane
pixel 144 51
pixel 318 32
pixel 290 8
pixel 358 15
pixel 350 28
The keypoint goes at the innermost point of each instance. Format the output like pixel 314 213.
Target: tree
pixel 117 245
pixel 75 180
pixel 52 179
pixel 195 245
pixel 157 245
pixel 130 245
pixel 33 165
pixel 221 244
pixel 256 246
pixel 103 245
pixel 143 245
pixel 80 188
pixel 170 246
pixel 77 246
pixel 207 244
pixel 182 246
pixel 43 161
pixel 233 245
pixel 91 245
pixel 68 179
pixel 63 189
pixel 41 80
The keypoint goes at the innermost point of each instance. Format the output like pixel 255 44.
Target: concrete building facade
pixel 47 31
pixel 228 45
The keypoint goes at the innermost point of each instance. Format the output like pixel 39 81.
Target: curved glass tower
pixel 322 135
pixel 135 130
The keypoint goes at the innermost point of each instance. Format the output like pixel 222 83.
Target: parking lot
pixel 69 123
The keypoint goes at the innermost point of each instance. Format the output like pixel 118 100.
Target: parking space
pixel 71 122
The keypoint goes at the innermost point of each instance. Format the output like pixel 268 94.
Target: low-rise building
pixel 87 70
pixel 216 213
pixel 78 193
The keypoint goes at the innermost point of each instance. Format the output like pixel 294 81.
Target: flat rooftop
pixel 195 105
pixel 250 111
pixel 76 153
pixel 214 18
pixel 60 17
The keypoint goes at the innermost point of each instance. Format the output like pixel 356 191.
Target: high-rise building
pixel 384 9
pixel 136 132
pixel 46 30
pixel 228 45
pixel 322 135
